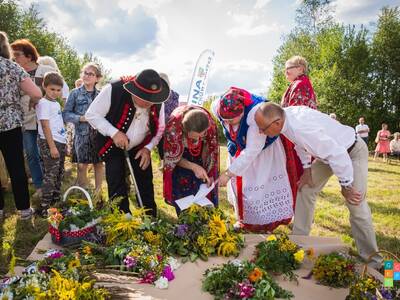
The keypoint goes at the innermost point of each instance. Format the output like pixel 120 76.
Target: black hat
pixel 149 86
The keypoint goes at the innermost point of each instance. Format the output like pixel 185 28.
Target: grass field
pixel 331 218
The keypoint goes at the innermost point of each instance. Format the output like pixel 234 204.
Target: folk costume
pixel 114 110
pixel 180 182
pixel 338 151
pixel 261 191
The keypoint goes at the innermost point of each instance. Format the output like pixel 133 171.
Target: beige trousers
pixel 360 215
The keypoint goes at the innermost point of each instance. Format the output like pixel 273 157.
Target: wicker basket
pixel 66 237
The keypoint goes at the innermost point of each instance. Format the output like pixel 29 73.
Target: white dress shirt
pixel 255 142
pixel 138 129
pixel 360 127
pixel 317 135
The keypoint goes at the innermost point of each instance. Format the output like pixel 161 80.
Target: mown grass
pixel 331 217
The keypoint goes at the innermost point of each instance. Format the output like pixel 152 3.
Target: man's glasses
pixel 89 74
pixel 291 67
pixel 270 124
pixel 18 54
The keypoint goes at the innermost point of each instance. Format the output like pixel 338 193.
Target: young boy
pixel 52 139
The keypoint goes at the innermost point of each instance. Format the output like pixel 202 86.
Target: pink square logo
pixel 396 267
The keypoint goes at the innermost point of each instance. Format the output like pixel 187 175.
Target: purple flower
pixel 181 230
pixel 246 289
pixel 56 254
pixel 130 261
pixel 386 294
pixel 168 273
pixel 44 269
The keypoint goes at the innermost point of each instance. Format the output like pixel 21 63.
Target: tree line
pixel 20 23
pixel 355 71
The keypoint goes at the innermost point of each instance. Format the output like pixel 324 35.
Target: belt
pixel 351 147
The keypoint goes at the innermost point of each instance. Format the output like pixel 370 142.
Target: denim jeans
pixel 32 154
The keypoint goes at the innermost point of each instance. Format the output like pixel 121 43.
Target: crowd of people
pixel 280 156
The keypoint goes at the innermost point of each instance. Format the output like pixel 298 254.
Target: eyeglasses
pixel 90 74
pixel 270 124
pixel 18 54
pixel 291 67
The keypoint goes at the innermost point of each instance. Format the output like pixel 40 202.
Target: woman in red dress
pixel 299 93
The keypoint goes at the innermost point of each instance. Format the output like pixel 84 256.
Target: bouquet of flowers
pixel 242 280
pixel 335 270
pixel 137 258
pixel 279 255
pixel 57 276
pixel 72 222
pixel 201 232
pixel 370 288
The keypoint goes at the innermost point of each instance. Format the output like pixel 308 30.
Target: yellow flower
pixel 311 253
pixel 270 238
pixel 152 238
pixel 228 246
pixel 194 209
pixel 87 250
pixel 74 264
pixel 217 226
pixel 299 255
pixel 255 275
pixel 201 241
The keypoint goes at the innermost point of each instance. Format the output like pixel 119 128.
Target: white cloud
pixel 245 26
pixel 261 3
pixel 360 11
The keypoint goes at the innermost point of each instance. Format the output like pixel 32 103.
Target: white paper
pixel 200 198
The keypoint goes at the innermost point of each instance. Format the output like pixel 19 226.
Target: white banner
pixel 199 79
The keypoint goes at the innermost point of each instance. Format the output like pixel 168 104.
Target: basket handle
pixel 75 187
pixel 364 271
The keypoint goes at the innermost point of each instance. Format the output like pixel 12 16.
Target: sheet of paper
pixel 204 202
pixel 185 202
pixel 204 190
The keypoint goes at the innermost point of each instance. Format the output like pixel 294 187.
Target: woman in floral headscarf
pixel 191 155
pixel 261 176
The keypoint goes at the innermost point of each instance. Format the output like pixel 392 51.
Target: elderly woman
pixel 260 177
pixel 13 80
pixel 300 90
pixel 395 145
pixel 26 55
pixel 191 155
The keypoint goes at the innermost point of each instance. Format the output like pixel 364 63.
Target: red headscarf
pixel 232 103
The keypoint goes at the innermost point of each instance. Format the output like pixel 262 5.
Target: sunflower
pixel 217 226
pixel 87 250
pixel 228 246
pixel 270 238
pixel 75 263
pixel 255 275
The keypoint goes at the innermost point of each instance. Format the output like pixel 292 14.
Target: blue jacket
pixel 76 106
pixel 243 127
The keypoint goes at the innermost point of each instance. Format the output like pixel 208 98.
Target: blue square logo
pixel 388 264
pixel 396 276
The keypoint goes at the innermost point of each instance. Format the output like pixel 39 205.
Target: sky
pixel 168 35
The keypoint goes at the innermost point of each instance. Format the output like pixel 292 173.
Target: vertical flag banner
pixel 199 79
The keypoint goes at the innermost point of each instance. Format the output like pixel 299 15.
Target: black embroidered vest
pixel 120 115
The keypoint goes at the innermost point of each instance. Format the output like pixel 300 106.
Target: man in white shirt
pixel 362 130
pixel 336 151
pixel 129 115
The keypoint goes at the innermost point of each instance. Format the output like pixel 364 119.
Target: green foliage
pixel 354 72
pixel 21 23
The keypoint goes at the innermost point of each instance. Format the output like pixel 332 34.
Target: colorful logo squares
pixel 392 272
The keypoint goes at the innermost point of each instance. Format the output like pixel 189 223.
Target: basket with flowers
pixel 242 280
pixel 73 221
pixel 279 255
pixel 367 287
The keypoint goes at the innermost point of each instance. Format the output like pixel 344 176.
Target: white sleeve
pixel 43 110
pixel 305 157
pixel 325 148
pixel 97 111
pixel 65 90
pixel 160 130
pixel 254 145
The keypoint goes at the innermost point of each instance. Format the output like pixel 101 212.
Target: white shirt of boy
pixel 51 110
